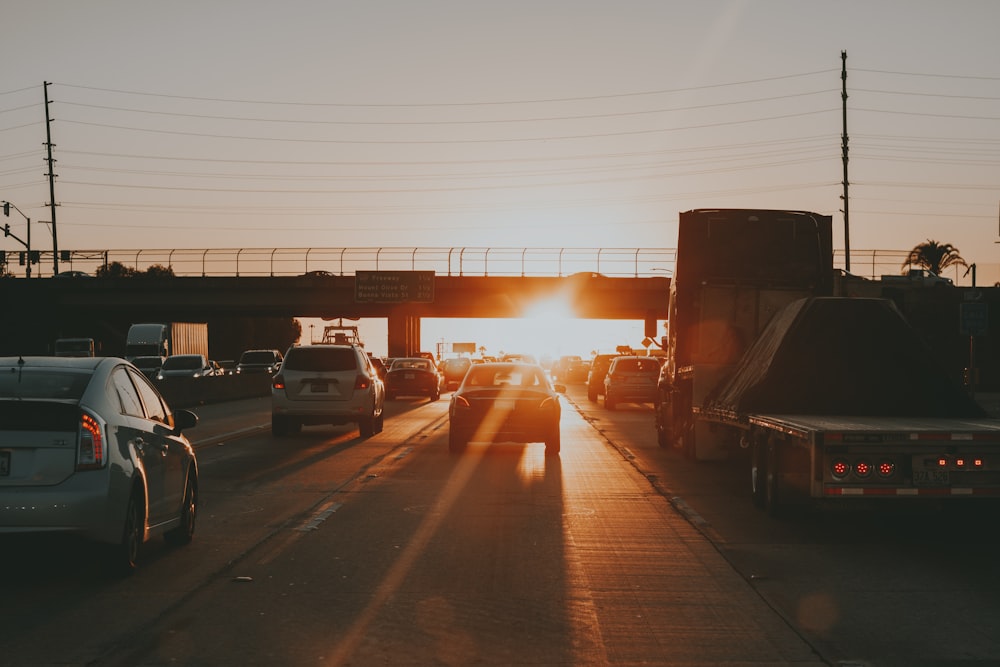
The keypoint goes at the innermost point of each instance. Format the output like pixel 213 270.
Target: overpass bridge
pixel 401 285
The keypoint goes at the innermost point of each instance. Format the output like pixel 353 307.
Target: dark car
pixel 631 380
pixel 150 366
pixel 186 366
pixel 454 370
pixel 259 361
pixel 595 378
pixel 505 402
pixel 413 376
pixel 89 447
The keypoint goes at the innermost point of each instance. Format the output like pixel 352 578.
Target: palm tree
pixel 933 256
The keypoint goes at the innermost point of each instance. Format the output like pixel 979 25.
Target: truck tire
pixel 774 503
pixel 758 472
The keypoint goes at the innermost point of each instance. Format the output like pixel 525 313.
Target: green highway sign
pixel 394 286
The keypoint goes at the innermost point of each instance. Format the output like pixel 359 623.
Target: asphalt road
pixel 325 549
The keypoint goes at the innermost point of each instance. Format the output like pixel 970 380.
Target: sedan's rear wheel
pixel 456 442
pixel 125 555
pixel 184 532
pixel 553 443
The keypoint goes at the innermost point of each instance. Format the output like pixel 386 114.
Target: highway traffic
pixel 321 547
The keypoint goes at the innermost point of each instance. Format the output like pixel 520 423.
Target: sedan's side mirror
pixel 184 419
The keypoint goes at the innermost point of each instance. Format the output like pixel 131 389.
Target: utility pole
pixel 52 182
pixel 847 204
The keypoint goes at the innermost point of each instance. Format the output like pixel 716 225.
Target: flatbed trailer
pixel 809 459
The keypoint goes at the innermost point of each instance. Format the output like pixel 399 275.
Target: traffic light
pixel 6 229
pixel 6 208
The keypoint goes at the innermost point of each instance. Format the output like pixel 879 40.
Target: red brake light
pixel 278 382
pixel 461 401
pixel 362 382
pixel 90 444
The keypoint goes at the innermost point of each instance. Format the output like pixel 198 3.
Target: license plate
pixel 4 464
pixel 930 478
pixel 319 387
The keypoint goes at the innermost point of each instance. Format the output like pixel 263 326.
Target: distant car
pixel 631 380
pixel 186 365
pixel 73 274
pixel 595 377
pixel 327 384
pixel 505 402
pixel 149 366
pixel 259 361
pixel 89 447
pixel 413 376
pixel 454 371
pixel 561 369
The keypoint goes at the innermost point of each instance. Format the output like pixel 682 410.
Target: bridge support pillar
pixel 404 335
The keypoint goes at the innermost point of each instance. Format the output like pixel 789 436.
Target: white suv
pixel 326 384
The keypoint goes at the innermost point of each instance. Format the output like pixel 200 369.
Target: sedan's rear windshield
pixel 182 362
pixel 42 383
pixel 318 358
pixel 257 358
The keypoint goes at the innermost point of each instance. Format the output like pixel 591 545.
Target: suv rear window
pixel 318 358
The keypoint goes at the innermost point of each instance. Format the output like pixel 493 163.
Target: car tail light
pixel 362 382
pixel 548 403
pixel 461 401
pixel 278 382
pixel 90 453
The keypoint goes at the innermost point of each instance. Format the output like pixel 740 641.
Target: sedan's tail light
pixel 90 453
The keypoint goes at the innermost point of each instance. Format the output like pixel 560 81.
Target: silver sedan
pixel 88 446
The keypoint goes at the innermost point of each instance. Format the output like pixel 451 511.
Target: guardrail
pixel 454 261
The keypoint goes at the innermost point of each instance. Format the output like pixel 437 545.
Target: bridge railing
pixel 453 261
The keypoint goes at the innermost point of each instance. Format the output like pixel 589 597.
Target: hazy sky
pixel 450 123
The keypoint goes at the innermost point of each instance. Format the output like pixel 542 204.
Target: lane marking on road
pixel 319 517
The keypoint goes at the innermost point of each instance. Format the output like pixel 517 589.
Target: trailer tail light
pixel 886 469
pixel 843 468
pixel 90 454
